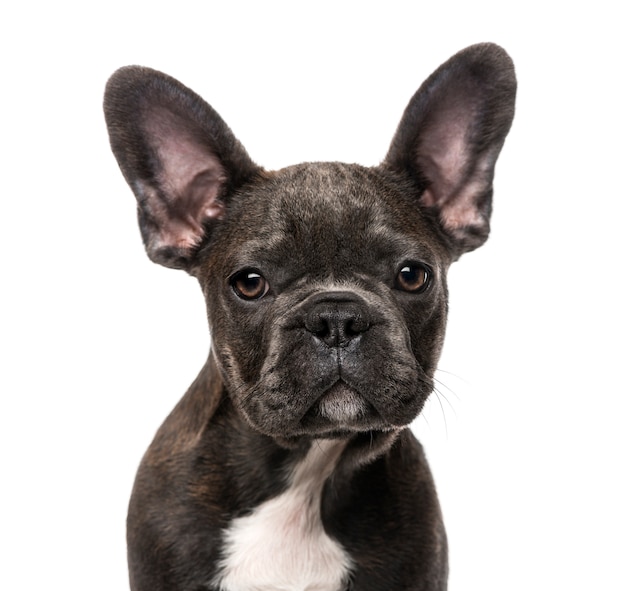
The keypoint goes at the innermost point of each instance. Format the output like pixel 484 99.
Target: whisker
pixel 438 395
pixel 447 388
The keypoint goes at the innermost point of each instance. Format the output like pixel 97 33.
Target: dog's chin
pixel 340 413
pixel 340 409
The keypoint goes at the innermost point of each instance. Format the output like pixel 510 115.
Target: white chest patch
pixel 282 545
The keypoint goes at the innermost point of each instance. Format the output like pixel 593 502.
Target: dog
pixel 289 463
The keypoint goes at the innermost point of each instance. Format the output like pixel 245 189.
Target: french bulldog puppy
pixel 289 464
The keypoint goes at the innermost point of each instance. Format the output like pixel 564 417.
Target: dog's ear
pixel 178 156
pixel 450 136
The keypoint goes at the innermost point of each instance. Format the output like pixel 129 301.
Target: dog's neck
pixel 303 556
pixel 252 467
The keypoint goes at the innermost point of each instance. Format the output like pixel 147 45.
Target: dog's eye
pixel 413 277
pixel 249 285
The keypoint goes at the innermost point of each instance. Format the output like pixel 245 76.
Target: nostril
pixel 357 325
pixel 318 325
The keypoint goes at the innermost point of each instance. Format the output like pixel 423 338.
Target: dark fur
pixel 330 238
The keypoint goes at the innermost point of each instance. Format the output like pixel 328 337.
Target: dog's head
pixel 325 283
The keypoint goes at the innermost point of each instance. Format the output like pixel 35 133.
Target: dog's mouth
pixel 341 409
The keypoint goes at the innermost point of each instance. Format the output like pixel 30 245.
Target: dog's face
pixel 325 283
pixel 326 301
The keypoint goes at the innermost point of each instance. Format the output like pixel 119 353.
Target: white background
pixel 526 439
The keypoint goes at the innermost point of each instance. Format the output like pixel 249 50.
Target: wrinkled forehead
pixel 329 217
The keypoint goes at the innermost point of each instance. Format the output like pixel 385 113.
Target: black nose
pixel 337 318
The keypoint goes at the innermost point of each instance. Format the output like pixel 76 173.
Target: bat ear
pixel 178 156
pixel 450 137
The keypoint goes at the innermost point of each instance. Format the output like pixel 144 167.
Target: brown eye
pixel 249 285
pixel 413 277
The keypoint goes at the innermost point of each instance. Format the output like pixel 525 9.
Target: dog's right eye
pixel 249 285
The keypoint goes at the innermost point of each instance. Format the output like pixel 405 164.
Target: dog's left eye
pixel 249 285
pixel 413 277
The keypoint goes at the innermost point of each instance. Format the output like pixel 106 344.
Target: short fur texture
pixel 326 297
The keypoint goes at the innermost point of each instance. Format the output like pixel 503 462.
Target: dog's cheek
pixel 425 318
pixel 427 339
pixel 238 339
pixel 225 341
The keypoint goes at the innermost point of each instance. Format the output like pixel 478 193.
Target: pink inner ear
pixel 190 178
pixel 447 155
pixel 460 210
pixel 456 181
pixel 443 153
